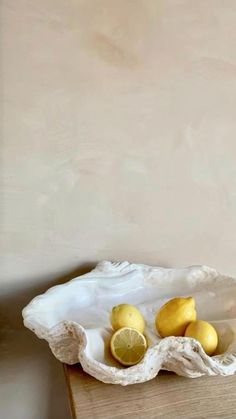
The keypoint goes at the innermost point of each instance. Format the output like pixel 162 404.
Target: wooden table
pixel 167 396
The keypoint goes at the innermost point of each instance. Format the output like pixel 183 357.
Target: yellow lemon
pixel 205 333
pixel 175 315
pixel 126 315
pixel 128 346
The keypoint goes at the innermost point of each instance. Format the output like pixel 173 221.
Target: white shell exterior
pixel 74 319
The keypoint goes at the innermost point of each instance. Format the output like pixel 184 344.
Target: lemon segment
pixel 205 333
pixel 128 346
pixel 127 315
pixel 175 315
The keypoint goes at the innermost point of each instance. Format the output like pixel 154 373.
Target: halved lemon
pixel 128 346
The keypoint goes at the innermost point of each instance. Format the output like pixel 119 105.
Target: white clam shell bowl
pixel 74 319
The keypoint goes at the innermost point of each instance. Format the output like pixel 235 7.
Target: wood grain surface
pixel 167 396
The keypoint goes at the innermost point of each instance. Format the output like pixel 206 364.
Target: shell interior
pixel 74 319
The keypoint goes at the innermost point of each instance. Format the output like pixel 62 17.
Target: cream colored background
pixel 119 124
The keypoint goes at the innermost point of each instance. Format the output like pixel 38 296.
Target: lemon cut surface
pixel 128 346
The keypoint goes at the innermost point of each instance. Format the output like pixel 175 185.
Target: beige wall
pixel 119 131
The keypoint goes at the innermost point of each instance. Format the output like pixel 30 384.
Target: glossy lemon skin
pixel 205 333
pixel 127 315
pixel 175 315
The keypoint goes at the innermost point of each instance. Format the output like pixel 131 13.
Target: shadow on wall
pixel 27 364
pixel 12 304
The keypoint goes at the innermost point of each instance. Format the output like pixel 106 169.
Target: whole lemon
pixel 127 315
pixel 205 333
pixel 175 315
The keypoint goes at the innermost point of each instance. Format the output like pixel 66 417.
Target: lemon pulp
pixel 128 346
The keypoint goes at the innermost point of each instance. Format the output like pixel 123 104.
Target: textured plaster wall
pixel 118 142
